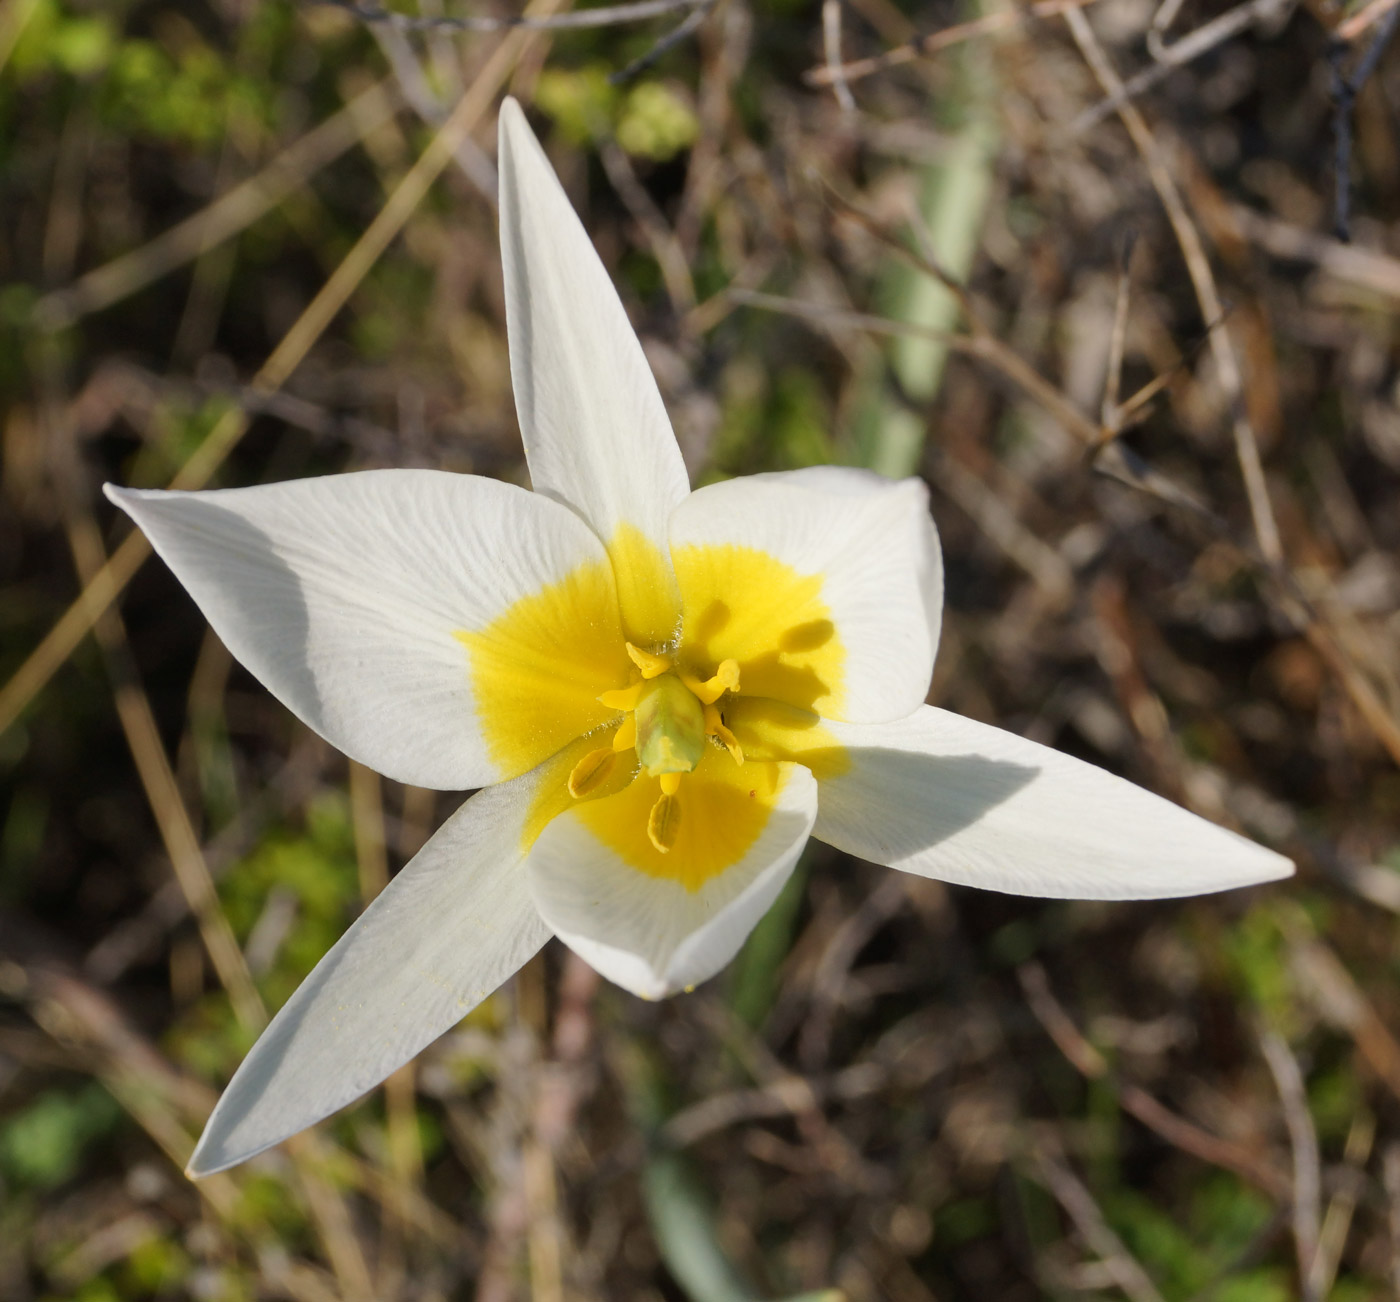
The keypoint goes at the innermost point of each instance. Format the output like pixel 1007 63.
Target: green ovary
pixel 670 728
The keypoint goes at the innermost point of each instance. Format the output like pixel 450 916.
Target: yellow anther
pixel 652 666
pixel 664 823
pixel 714 727
pixel 726 679
pixel 591 771
pixel 624 698
pixel 670 783
pixel 626 735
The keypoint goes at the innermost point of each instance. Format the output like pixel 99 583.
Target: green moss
pixel 43 1144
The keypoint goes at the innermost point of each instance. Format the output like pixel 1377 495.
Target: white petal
pixel 345 596
pixel 651 935
pixel 872 544
pixel 454 924
pixel 596 432
pixel 944 797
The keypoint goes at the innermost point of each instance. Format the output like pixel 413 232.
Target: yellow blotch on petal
pixel 742 604
pixel 538 668
pixel 552 794
pixel 646 587
pixel 720 810
pixel 770 730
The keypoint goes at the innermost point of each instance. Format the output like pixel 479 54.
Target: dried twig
pixel 1203 281
pixel 29 679
pixel 1170 1126
pixel 1369 270
pixel 602 16
pixel 222 219
pixel 1336 1224
pixel 1096 1232
pixel 470 158
pixel 925 46
pixel 1181 52
pixel 831 45
pixel 1345 89
pixel 682 31
pixel 1307 1163
pixel 163 793
pixel 1366 16
pixel 661 239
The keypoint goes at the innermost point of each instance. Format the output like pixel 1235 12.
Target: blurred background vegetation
pixel 247 240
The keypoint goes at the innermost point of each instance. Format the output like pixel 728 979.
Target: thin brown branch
pixel 1170 1126
pixel 1203 281
pixel 831 46
pixel 1307 1163
pixel 1364 19
pixel 602 16
pixel 112 578
pixel 222 219
pixel 1078 1203
pixel 1179 53
pixel 926 46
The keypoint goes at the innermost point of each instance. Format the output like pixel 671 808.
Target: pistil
pixel 670 716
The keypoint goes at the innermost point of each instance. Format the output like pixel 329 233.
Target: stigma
pixel 671 718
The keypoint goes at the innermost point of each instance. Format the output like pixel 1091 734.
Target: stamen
pixel 664 823
pixel 591 771
pixel 624 698
pixel 714 727
pixel 726 679
pixel 670 783
pixel 626 735
pixel 652 666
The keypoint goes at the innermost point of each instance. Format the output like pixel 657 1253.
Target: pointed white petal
pixel 864 565
pixel 346 596
pixel 454 924
pixel 596 432
pixel 652 935
pixel 944 797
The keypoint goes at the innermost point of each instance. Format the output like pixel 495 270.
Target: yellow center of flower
pixel 671 746
pixel 669 718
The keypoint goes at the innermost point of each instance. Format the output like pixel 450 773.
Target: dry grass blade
pixel 163 793
pixel 1170 1126
pixel 1307 1163
pixel 1336 1224
pixel 599 16
pixel 1205 38
pixel 14 16
pixel 986 347
pixel 1124 1269
pixel 831 43
pixel 222 219
pixel 1368 270
pixel 1203 281
pixel 108 582
pixel 1365 18
pixel 833 74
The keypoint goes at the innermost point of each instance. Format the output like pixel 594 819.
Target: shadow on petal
pixel 253 598
pixel 900 803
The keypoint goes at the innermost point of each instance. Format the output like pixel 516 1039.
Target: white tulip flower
pixel 662 693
